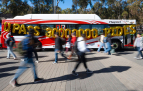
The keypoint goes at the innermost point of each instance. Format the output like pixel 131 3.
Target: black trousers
pixel 81 58
pixel 36 55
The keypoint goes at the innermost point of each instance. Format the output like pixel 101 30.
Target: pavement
pixel 118 72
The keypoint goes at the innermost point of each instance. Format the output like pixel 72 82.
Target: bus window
pixel 83 27
pixel 43 28
pixel 99 28
pixel 71 26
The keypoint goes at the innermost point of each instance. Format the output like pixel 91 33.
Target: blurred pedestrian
pixel 138 45
pixel 58 48
pixel 102 44
pixel 109 44
pixel 27 44
pixel 81 49
pixel 37 43
pixel 10 43
pixel 68 44
pixel 73 40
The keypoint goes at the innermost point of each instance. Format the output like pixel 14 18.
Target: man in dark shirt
pixel 10 42
pixel 58 48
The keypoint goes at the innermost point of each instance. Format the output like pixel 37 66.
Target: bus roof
pixel 60 16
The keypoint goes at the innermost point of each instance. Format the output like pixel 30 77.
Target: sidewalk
pixel 111 73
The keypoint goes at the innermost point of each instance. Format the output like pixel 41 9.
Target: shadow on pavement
pixel 83 74
pixel 8 69
pixel 5 74
pixel 122 53
pixel 6 63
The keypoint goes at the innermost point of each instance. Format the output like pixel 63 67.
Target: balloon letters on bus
pixel 115 31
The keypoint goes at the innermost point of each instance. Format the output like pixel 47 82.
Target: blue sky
pixel 66 4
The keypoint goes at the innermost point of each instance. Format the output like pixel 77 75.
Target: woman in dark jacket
pixel 108 44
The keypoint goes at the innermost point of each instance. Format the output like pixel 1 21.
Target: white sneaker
pixel 141 57
pixel 22 59
pixel 37 61
pixel 135 57
pixel 54 62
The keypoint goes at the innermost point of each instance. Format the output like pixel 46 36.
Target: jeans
pixel 81 58
pixel 102 44
pixel 23 67
pixel 108 48
pixel 56 55
pixel 139 52
pixel 10 52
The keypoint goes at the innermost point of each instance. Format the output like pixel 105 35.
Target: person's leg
pixel 108 47
pixel 62 54
pixel 78 63
pixel 67 50
pixel 84 60
pixel 56 56
pixel 21 69
pixel 104 47
pixel 8 52
pixel 36 55
pixel 33 68
pixel 11 52
pixel 101 44
pixel 109 50
pixel 138 49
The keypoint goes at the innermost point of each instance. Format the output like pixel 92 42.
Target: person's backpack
pixel 63 41
pixel 105 39
pixel 75 47
pixel 20 48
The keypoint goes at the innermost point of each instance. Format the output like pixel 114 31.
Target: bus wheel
pixel 116 45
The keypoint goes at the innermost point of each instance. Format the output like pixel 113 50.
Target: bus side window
pixel 44 26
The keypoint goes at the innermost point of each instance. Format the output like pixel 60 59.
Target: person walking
pixel 68 44
pixel 27 44
pixel 138 45
pixel 10 42
pixel 37 42
pixel 108 44
pixel 73 40
pixel 81 47
pixel 58 48
pixel 102 44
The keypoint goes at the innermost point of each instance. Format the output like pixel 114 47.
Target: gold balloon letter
pixel 96 33
pixel 22 29
pixel 61 30
pixel 15 27
pixel 53 32
pixel 66 31
pixel 49 33
pixel 133 30
pixel 88 33
pixel 107 31
pixel 8 28
pixel 37 32
pixel 121 30
pixel 29 27
pixel 125 30
pixel 75 30
pixel 79 31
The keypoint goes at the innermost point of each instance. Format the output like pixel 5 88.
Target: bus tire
pixel 116 45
